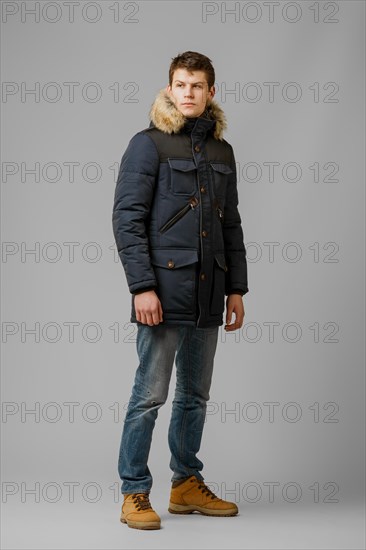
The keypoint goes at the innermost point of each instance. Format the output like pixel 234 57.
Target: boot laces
pixel 206 491
pixel 142 501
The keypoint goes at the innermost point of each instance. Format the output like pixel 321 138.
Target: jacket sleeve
pixel 237 275
pixel 132 203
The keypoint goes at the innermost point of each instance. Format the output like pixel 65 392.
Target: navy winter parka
pixel 175 215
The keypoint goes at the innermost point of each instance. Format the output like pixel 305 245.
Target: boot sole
pixel 190 508
pixel 141 524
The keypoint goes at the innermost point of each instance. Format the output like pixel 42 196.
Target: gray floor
pixel 258 526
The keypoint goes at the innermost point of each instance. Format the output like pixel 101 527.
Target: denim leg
pixel 194 361
pixel 156 348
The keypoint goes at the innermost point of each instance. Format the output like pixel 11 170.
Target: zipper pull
pixel 193 201
pixel 219 211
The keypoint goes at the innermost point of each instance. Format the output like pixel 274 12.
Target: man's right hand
pixel 148 308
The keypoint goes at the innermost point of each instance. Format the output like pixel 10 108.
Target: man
pixel 179 237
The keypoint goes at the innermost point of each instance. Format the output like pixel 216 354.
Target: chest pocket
pixel 221 172
pixel 183 176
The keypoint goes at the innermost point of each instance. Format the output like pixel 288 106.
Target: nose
pixel 188 92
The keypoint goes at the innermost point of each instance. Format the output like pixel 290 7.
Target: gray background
pixel 312 448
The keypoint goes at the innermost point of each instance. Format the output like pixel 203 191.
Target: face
pixel 190 92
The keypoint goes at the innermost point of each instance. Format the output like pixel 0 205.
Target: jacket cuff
pixel 141 290
pixel 238 291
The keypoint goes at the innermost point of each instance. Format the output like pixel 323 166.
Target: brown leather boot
pixel 194 496
pixel 138 513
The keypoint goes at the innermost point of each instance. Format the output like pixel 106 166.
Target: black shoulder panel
pixel 218 151
pixel 170 145
pixel 180 145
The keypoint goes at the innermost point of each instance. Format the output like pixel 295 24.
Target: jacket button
pixel 203 276
pixel 225 268
pixel 197 148
pixel 204 233
pixel 171 264
pixel 203 189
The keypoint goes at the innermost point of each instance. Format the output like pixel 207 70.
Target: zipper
pixel 218 209
pixel 220 213
pixel 193 202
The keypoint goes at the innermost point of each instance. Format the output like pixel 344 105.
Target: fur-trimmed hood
pixel 167 118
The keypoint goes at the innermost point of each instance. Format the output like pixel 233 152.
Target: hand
pixel 148 308
pixel 234 304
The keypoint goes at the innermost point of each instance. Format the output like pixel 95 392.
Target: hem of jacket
pixel 208 324
pixel 168 322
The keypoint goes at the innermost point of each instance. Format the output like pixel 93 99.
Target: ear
pixel 212 92
pixel 168 89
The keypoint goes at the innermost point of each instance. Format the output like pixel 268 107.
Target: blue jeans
pixel 156 347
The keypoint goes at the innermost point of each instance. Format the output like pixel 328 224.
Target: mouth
pixel 188 104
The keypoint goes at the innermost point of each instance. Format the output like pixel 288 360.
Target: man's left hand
pixel 234 304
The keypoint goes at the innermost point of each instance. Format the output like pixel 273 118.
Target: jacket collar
pixel 166 117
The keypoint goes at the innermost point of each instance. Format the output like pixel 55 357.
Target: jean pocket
pixel 183 176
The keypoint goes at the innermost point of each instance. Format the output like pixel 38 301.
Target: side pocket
pixel 175 271
pixel 217 303
pixel 193 202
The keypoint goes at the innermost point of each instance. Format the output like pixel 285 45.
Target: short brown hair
pixel 193 61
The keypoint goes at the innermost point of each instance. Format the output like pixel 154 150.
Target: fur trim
pixel 167 118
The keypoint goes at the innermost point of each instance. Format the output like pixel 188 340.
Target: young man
pixel 179 237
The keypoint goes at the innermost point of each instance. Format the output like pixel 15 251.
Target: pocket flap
pixel 173 258
pixel 183 165
pixel 221 167
pixel 220 259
